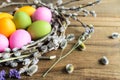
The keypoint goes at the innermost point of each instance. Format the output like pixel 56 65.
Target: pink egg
pixel 4 43
pixel 19 38
pixel 42 13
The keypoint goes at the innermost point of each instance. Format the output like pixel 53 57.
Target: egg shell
pixel 28 9
pixel 42 13
pixel 4 43
pixel 22 20
pixel 39 29
pixel 19 38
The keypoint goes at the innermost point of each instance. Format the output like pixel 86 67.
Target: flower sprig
pixel 13 73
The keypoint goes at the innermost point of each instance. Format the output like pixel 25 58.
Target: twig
pixel 60 58
pixel 13 58
pixel 69 2
pixel 15 3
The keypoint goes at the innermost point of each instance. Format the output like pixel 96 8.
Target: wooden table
pixel 99 45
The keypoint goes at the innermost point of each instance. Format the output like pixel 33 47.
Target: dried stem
pixel 68 2
pixel 13 58
pixel 15 3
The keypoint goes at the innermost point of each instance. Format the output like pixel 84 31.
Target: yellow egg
pixel 5 15
pixel 28 9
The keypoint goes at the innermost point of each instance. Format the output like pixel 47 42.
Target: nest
pixel 56 38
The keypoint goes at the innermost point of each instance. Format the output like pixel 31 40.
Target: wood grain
pixel 86 62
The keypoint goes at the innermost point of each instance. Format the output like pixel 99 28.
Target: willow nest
pixel 31 53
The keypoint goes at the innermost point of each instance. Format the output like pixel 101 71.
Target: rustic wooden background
pixel 86 62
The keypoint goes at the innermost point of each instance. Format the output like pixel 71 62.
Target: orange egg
pixel 4 14
pixel 7 27
pixel 28 9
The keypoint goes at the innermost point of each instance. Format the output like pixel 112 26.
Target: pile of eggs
pixel 25 25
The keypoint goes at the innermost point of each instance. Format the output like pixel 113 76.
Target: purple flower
pixel 2 75
pixel 14 73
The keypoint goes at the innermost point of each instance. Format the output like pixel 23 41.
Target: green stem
pixel 74 47
pixel 51 67
pixel 61 57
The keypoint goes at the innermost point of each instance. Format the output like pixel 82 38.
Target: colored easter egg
pixel 19 38
pixel 7 26
pixel 39 29
pixel 28 9
pixel 22 20
pixel 7 15
pixel 4 43
pixel 42 13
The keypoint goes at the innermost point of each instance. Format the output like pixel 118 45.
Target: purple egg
pixel 19 38
pixel 42 13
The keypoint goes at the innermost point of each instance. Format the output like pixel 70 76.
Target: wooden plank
pixel 99 21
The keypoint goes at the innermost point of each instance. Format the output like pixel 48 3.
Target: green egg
pixel 39 29
pixel 22 20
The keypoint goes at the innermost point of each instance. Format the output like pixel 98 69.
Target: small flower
pixel 16 8
pixel 69 68
pixel 70 14
pixel 32 42
pixel 14 64
pixel 104 60
pixel 115 35
pixel 35 61
pixel 82 46
pixel 36 54
pixel 8 63
pixel 32 70
pixel 2 73
pixel 44 49
pixel 75 14
pixel 20 60
pixel 36 1
pixel 50 46
pixel 74 7
pixel 59 2
pixel 24 48
pixel 2 78
pixel 62 29
pixel 7 50
pixel 14 49
pixel 17 53
pixel 14 73
pixel 63 44
pixel 93 13
pixel 4 4
pixel 68 21
pixel 8 1
pixel 70 37
pixel 56 12
pixel 26 61
pixel 6 55
pixel 51 5
pixel 22 70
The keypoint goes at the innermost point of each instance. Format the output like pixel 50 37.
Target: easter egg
pixel 19 38
pixel 28 9
pixel 22 20
pixel 4 43
pixel 7 26
pixel 7 15
pixel 39 29
pixel 42 13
